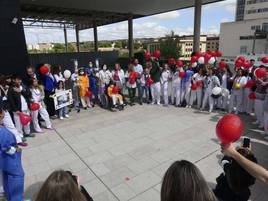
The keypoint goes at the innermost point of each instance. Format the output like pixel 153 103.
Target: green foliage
pixel 169 46
pixel 58 48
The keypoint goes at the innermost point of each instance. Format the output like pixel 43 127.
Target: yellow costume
pixel 83 82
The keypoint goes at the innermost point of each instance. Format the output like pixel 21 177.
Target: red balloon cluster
pixel 229 128
pixel 147 55
pixel 182 74
pixel 264 60
pixel 260 72
pixel 157 54
pixel 171 61
pixel 206 57
pixel 179 63
pixel 34 106
pixel 194 59
pixel 25 119
pixel 252 96
pixel 44 70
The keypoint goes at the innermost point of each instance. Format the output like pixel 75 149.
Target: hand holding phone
pixel 246 142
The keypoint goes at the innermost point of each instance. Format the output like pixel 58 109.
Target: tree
pixel 58 48
pixel 71 47
pixel 169 46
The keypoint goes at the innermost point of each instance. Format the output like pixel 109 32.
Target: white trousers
pixel 265 119
pixel 155 90
pixel 236 100
pixel 208 99
pixel 185 94
pixel 248 103
pixel 165 92
pixel 196 94
pixel 43 113
pixel 223 102
pixel 176 93
pixel 258 108
pixel 19 126
pixel 8 123
pixel 115 98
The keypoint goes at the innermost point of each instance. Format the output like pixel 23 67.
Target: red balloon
pixel 88 94
pixel 44 70
pixel 157 54
pixel 182 74
pixel 150 81
pixel 222 64
pixel 238 63
pixel 207 57
pixel 147 55
pixel 194 59
pixel 198 54
pixel 218 54
pixel 241 58
pixel 229 128
pixel 247 64
pixel 34 106
pixel 171 61
pixel 250 83
pixel 179 63
pixel 260 73
pixel 264 60
pixel 199 83
pixel 213 53
pixel 25 119
pixel 194 87
pixel 252 96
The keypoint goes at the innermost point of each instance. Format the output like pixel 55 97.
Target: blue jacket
pixel 49 83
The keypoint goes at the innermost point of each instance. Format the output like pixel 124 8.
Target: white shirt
pixel 165 76
pixel 224 81
pixel 105 77
pixel 59 77
pixel 24 106
pixel 138 68
pixel 121 75
pixel 176 80
pixel 36 95
pixel 241 80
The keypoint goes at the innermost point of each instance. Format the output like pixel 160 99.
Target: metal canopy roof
pixel 84 12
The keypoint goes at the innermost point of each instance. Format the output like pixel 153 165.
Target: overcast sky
pixel 181 21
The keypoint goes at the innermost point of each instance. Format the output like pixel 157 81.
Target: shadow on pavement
pixel 31 192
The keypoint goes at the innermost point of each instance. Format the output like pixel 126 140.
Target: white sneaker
pixel 61 118
pixel 152 103
pixel 187 106
pixel 158 104
pixel 67 116
pixel 190 106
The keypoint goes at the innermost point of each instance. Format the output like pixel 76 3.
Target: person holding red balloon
pixel 210 82
pixel 131 77
pixel 138 69
pixel 236 100
pixel 146 82
pixel 164 80
pixel 19 100
pixel 197 80
pixel 260 97
pixel 38 95
pixel 176 88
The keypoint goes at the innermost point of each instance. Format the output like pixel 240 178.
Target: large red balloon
pixel 25 119
pixel 252 96
pixel 222 64
pixel 157 54
pixel 179 63
pixel 213 53
pixel 241 58
pixel 238 63
pixel 264 60
pixel 218 54
pixel 260 73
pixel 34 106
pixel 229 128
pixel 44 70
pixel 207 57
pixel 198 54
pixel 182 74
pixel 194 59
pixel 171 61
pixel 250 83
pixel 247 64
pixel 147 55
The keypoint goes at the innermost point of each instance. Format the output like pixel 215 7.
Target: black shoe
pixel 140 103
pixel 78 110
pixel 29 135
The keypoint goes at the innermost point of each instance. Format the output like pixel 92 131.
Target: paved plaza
pixel 124 155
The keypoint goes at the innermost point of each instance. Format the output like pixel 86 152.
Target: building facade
pixel 213 43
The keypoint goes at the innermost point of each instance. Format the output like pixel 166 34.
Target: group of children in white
pixel 200 83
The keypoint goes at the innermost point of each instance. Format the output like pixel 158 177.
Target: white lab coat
pixel 176 89
pixel 165 77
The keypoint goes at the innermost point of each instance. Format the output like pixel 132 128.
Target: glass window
pixel 243 50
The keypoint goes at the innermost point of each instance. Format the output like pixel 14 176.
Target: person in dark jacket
pixel 155 74
pixel 49 83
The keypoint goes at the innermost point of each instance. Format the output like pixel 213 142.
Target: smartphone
pixel 246 142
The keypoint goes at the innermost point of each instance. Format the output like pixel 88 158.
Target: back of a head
pixel 238 178
pixel 59 186
pixel 184 182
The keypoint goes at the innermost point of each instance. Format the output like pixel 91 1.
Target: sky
pixel 180 21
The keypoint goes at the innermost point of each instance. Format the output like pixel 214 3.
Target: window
pixel 265 26
pixel 256 1
pixel 256 27
pixel 243 50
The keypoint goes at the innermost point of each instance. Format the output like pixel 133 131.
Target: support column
pixel 95 30
pixel 197 24
pixel 77 38
pixel 130 36
pixel 65 38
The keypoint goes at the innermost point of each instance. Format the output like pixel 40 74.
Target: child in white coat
pixel 164 79
pixel 176 88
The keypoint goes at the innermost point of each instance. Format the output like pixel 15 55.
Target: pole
pixel 254 42
pixel 77 38
pixel 65 38
pixel 95 30
pixel 197 24
pixel 130 36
